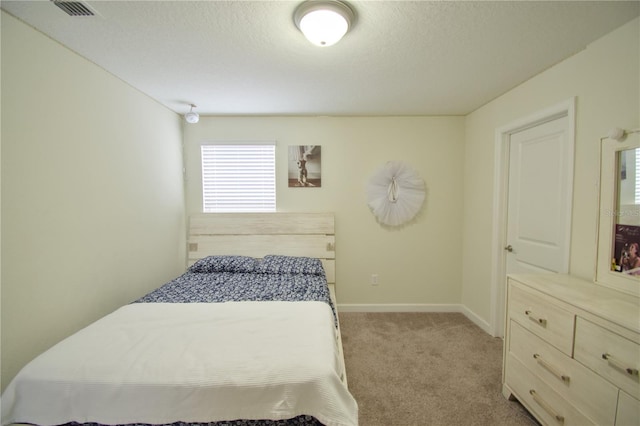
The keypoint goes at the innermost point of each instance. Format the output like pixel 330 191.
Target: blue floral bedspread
pixel 296 421
pixel 216 287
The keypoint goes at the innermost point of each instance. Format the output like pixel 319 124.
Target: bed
pixel 248 335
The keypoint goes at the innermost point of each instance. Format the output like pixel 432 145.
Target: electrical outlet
pixel 374 279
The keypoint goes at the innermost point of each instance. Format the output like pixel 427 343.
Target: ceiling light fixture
pixel 323 22
pixel 192 117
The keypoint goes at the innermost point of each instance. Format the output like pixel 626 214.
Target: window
pixel 239 177
pixel 637 176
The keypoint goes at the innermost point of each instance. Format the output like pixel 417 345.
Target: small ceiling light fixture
pixel 192 117
pixel 324 22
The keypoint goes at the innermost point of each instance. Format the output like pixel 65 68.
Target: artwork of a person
pixel 630 259
pixel 302 172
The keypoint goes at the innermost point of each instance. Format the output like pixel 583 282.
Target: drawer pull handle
pixel 546 407
pixel 541 321
pixel 551 369
pixel 619 365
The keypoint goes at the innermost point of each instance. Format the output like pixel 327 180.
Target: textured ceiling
pixel 400 58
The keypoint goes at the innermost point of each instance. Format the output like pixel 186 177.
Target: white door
pixel 532 208
pixel 539 198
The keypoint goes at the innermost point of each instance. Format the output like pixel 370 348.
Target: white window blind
pixel 637 176
pixel 239 177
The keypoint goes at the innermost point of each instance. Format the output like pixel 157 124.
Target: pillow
pixel 224 264
pixel 278 264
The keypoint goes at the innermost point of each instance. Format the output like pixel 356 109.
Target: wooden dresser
pixel 572 351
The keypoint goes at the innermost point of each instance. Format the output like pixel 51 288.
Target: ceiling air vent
pixel 73 8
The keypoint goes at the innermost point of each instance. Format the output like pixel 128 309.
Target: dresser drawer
pixel 610 355
pixel 542 317
pixel 547 405
pixel 628 411
pixel 590 393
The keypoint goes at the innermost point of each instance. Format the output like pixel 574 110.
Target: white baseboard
pixel 408 307
pixel 477 320
pixel 398 307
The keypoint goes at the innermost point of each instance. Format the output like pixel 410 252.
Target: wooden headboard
pixel 260 234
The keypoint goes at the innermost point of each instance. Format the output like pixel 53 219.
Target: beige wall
pixel 418 263
pixel 92 194
pixel 605 79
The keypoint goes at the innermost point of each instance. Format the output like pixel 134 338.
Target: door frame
pixel 500 198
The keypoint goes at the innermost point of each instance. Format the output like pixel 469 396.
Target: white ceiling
pixel 400 58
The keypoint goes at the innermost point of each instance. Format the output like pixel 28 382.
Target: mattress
pixel 221 346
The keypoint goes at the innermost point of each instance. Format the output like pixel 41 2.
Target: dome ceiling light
pixel 324 22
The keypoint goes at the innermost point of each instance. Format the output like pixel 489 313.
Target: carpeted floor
pixel 415 369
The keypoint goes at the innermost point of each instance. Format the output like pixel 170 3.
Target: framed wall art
pixel 304 166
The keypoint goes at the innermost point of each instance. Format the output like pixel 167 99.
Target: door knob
pixel 509 248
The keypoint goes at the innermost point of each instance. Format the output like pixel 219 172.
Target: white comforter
pixel 161 363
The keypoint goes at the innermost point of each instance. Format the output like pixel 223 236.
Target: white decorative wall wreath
pixel 395 193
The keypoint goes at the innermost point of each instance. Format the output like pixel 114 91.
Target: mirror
pixel 626 221
pixel 618 251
